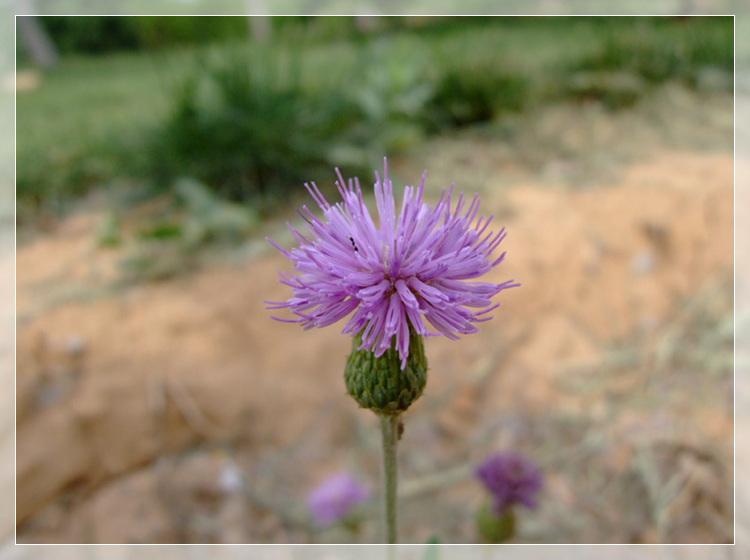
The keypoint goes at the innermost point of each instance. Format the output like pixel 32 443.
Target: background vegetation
pixel 195 96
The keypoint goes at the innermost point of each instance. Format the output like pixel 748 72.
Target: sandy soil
pixel 608 367
pixel 177 411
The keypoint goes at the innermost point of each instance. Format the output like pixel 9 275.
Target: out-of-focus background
pixel 158 403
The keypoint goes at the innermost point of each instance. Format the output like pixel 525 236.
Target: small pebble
pixel 643 263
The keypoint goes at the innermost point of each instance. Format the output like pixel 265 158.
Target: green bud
pixel 494 528
pixel 379 383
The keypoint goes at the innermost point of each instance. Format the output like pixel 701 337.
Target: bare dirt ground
pixel 611 366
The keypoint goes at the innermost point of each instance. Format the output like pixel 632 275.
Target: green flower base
pixel 494 528
pixel 379 383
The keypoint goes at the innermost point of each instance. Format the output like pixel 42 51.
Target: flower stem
pixel 389 429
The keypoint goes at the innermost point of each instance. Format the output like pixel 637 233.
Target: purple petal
pixel 409 270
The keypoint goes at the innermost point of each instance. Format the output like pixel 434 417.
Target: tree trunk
pixel 260 21
pixel 34 37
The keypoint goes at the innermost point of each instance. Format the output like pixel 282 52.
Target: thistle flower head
pixel 511 478
pixel 413 268
pixel 335 497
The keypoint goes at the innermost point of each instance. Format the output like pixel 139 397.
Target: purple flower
pixel 408 270
pixel 511 478
pixel 334 498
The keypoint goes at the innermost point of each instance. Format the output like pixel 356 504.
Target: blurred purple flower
pixel 409 269
pixel 334 498
pixel 511 478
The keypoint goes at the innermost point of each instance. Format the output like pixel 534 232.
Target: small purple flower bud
pixel 511 478
pixel 334 498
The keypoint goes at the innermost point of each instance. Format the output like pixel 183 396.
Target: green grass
pixel 665 49
pixel 93 120
pixel 81 126
pixel 91 97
